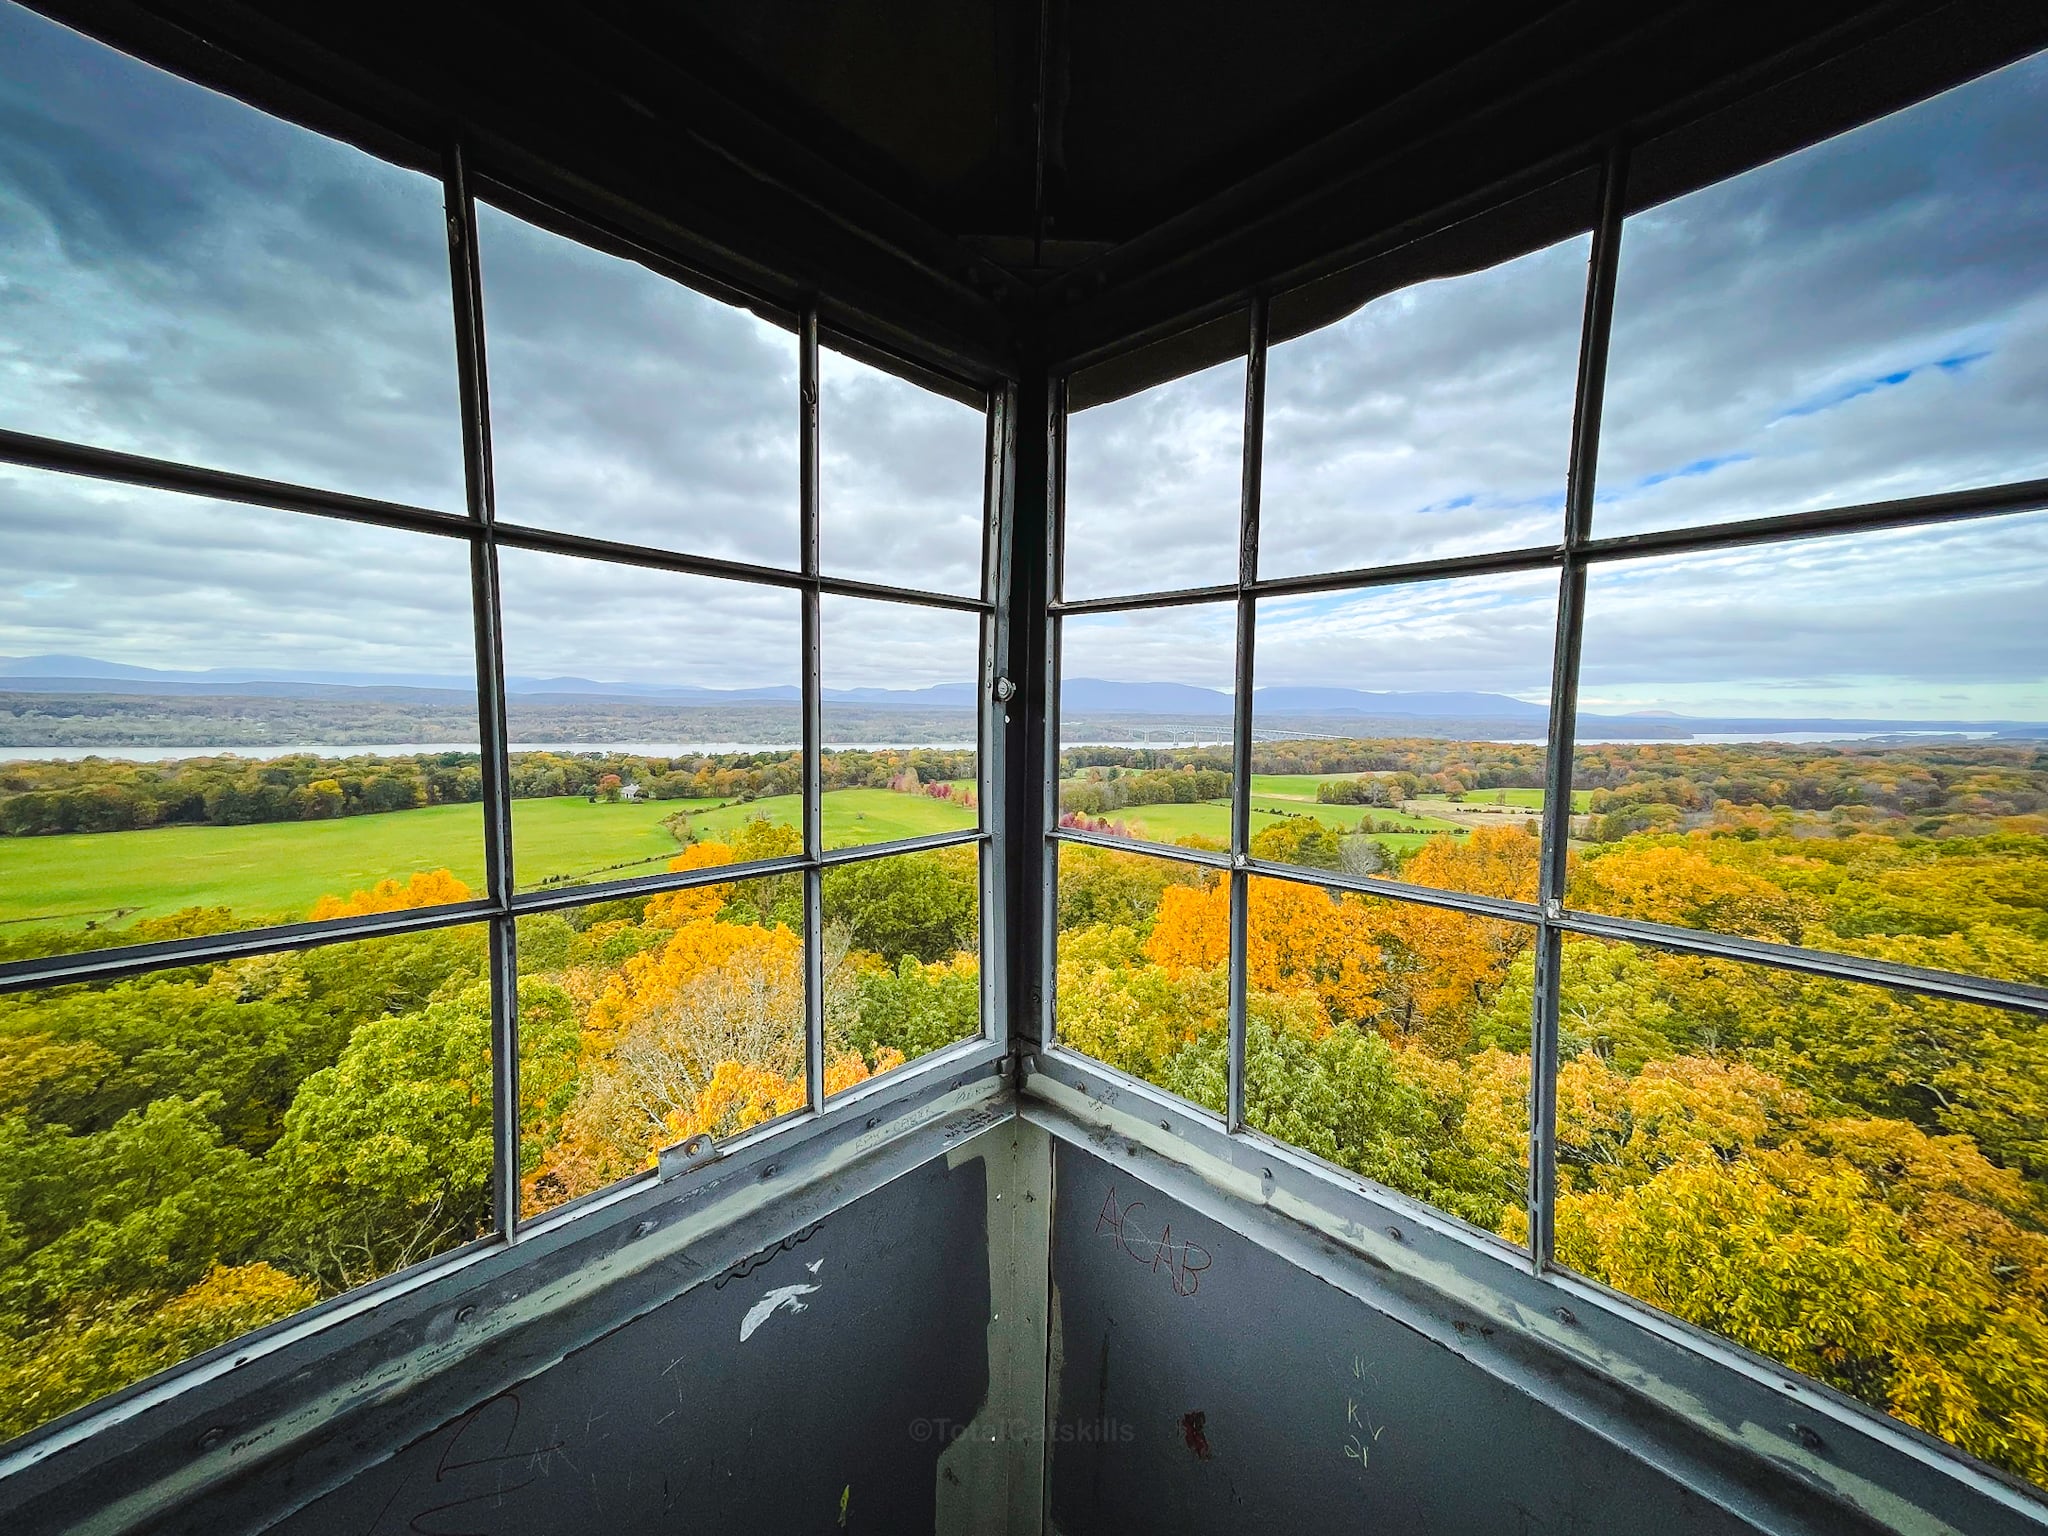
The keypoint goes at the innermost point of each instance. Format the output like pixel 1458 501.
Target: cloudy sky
pixel 1862 321
pixel 181 276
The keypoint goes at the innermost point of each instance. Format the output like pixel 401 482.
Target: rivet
pixel 1394 1233
pixel 212 1437
pixel 1568 1317
pixel 465 1314
pixel 1809 1437
pixel 770 1171
pixel 643 1229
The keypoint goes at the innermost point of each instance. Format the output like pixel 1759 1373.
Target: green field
pixel 279 869
pixel 1211 819
pixel 1525 799
pixel 1297 786
pixel 850 816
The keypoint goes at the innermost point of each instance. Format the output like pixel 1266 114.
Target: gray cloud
pixel 1492 634
pixel 159 580
pixel 1194 645
pixel 181 276
pixel 901 476
pixel 1434 421
pixel 1864 320
pixel 1153 487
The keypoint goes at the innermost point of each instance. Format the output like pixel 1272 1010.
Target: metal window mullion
pixel 1055 429
pixel 991 758
pixel 1241 705
pixel 466 284
pixel 814 711
pixel 1545 1027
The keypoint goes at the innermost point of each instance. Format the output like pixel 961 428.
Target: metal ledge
pixel 1709 1413
pixel 416 1349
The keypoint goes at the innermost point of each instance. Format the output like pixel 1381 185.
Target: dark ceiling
pixel 973 181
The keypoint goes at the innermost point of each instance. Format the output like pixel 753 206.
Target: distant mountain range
pixel 1080 697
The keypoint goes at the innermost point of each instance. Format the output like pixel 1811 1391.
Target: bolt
pixel 770 1171
pixel 873 1121
pixel 643 1229
pixel 212 1437
pixel 1568 1317
pixel 465 1314
pixel 1394 1233
pixel 1809 1437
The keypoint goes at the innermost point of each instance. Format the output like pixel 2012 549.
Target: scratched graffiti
pixel 1183 1262
pixel 1360 1433
pixel 754 1261
pixel 474 1475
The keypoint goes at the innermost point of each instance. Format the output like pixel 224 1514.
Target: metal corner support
pixel 1545 1026
pixel 1027 513
pixel 1241 702
pixel 466 286
pixel 814 710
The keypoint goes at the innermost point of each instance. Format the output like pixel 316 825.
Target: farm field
pixel 1297 786
pixel 1524 799
pixel 1211 819
pixel 850 816
pixel 279 869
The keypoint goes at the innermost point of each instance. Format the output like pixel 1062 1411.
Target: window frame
pixel 1601 1324
pixel 910 1090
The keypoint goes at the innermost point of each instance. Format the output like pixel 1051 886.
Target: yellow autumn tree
pixel 1302 939
pixel 429 888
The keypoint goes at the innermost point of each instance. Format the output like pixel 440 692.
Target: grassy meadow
pixel 279 869
pixel 1211 818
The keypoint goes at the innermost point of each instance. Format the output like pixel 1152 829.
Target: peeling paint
pixel 782 1299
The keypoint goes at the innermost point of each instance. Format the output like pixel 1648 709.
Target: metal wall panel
pixel 1201 1383
pixel 813 1386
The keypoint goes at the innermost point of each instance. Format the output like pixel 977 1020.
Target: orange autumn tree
pixel 704 1032
pixel 429 888
pixel 1303 939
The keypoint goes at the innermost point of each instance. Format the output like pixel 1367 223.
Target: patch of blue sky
pixel 1856 389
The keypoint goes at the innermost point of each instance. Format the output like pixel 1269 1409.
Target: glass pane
pixel 902 960
pixel 1835 742
pixel 1856 322
pixel 190 279
pixel 900 480
pixel 1434 421
pixel 900 720
pixel 1142 962
pixel 1400 731
pixel 1843 1178
pixel 1154 486
pixel 1386 1037
pixel 644 1022
pixel 625 406
pixel 215 716
pixel 1145 723
pixel 647 711
pixel 196 1153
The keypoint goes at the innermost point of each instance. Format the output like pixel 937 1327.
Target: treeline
pixel 112 795
pixel 1931 791
pixel 1100 790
